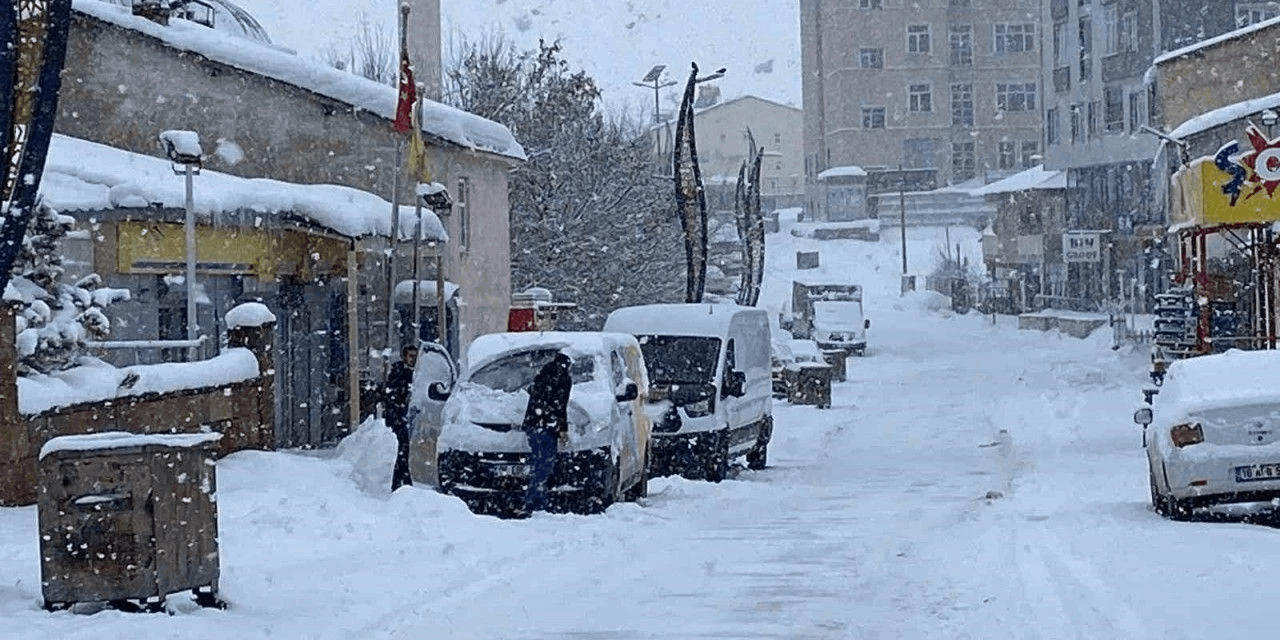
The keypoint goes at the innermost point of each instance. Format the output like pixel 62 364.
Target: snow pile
pixel 1220 380
pixel 84 176
pixel 249 314
pixel 95 380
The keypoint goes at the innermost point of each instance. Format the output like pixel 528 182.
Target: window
pixel 1015 38
pixel 873 117
pixel 1092 120
pixel 1135 111
pixel 962 105
pixel 961 38
pixel 1086 48
pixel 1248 13
pixel 960 3
pixel 1051 126
pixel 1110 29
pixel 869 4
pixel 777 138
pixel 1030 154
pixel 462 204
pixel 963 160
pixel 1007 152
pixel 1016 96
pixel 920 98
pixel 1113 110
pixel 1060 44
pixel 1075 123
pixel 920 153
pixel 871 58
pixel 917 38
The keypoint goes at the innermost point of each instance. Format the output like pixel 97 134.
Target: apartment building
pixel 948 86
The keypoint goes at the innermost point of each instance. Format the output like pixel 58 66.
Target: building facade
pixel 1099 100
pixel 950 86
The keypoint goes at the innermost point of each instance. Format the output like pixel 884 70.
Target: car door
pixel 624 427
pixel 425 414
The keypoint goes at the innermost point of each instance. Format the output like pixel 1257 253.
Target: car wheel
pixel 1157 501
pixel 608 489
pixel 641 488
pixel 1178 510
pixel 717 460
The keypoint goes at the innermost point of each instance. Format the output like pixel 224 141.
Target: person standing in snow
pixel 546 418
pixel 396 404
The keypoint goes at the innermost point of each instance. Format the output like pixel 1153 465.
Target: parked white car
pixel 1212 433
pixel 483 450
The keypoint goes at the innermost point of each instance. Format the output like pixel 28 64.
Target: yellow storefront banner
pixel 160 247
pixel 1197 198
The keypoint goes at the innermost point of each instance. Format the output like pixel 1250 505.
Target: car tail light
pixel 1186 434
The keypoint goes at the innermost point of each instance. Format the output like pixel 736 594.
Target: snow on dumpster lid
pixel 124 439
pixel 1220 380
pixel 848 171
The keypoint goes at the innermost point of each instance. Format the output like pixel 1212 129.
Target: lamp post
pixel 654 78
pixel 183 149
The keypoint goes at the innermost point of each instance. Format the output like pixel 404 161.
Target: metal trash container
pixel 809 383
pixel 128 519
pixel 837 358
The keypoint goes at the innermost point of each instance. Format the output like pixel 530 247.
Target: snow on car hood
pixel 472 405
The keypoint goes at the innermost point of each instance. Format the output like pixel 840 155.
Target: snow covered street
pixel 970 481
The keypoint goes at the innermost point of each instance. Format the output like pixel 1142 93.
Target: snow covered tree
pixel 55 318
pixel 589 220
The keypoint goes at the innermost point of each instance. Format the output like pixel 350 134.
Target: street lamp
pixel 183 149
pixel 653 78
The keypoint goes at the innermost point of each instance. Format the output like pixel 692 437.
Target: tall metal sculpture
pixel 31 62
pixel 750 224
pixel 691 203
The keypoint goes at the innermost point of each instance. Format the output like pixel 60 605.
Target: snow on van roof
pixel 574 343
pixel 1220 380
pixel 688 319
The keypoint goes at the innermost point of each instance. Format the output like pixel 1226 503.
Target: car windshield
pixel 516 371
pixel 680 358
pixel 837 315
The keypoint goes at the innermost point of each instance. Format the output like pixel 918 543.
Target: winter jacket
pixel 396 396
pixel 548 408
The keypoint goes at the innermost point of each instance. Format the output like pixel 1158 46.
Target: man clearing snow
pixel 399 381
pixel 546 418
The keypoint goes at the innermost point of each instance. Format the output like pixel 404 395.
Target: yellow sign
pixel 1197 197
pixel 160 247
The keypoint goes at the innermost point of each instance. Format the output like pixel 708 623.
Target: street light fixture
pixel 183 149
pixel 653 80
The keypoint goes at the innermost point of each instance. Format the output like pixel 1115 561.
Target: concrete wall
pixel 1215 76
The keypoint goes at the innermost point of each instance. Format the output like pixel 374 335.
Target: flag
pixel 408 95
pixel 419 168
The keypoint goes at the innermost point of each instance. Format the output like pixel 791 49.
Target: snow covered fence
pixel 233 394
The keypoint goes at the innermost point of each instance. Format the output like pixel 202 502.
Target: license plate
pixel 1258 472
pixel 511 470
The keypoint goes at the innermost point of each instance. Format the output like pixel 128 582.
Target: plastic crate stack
pixel 1175 323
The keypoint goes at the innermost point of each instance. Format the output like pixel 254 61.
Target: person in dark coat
pixel 546 418
pixel 396 404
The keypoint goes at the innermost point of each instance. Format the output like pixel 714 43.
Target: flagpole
pixel 395 195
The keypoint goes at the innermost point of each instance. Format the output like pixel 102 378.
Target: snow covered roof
pixel 1224 115
pixel 124 439
pixel 97 380
pixel 492 345
pixel 83 176
pixel 696 319
pixel 848 171
pixel 1204 44
pixel 1220 380
pixel 1036 177
pixel 445 122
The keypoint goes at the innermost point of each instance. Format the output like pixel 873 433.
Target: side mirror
pixel 437 391
pixel 629 392
pixel 735 384
pixel 866 324
pixel 1142 416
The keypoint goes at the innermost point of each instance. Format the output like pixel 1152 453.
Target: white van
pixel 483 450
pixel 712 362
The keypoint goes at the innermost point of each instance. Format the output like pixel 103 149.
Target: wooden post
pixel 261 341
pixel 17 460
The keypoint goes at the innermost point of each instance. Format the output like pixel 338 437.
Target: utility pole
pixel 902 217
